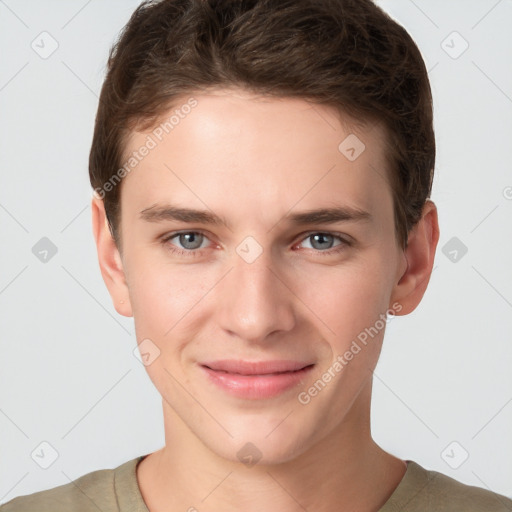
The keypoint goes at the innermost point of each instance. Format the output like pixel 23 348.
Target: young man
pixel 262 172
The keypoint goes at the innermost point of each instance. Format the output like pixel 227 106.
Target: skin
pixel 254 161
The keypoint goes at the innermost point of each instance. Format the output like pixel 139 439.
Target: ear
pixel 111 265
pixel 419 259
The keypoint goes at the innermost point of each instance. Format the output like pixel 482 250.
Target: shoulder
pixel 91 492
pixel 446 493
pixel 422 489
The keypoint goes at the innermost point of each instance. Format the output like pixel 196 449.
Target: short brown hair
pixel 348 54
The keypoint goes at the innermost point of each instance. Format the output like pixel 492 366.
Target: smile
pixel 256 380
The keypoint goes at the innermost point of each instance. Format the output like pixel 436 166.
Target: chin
pixel 254 443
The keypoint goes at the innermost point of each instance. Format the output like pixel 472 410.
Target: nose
pixel 254 300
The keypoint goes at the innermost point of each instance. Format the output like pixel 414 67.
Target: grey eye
pixel 321 240
pixel 191 240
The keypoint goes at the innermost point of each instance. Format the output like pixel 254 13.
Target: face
pixel 253 275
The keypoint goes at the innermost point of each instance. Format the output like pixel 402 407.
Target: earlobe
pixel 419 259
pixel 110 261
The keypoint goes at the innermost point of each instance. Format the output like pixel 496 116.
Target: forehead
pixel 274 152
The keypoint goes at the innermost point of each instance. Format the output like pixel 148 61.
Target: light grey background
pixel 68 376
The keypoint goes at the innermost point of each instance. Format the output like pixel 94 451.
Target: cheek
pixel 164 297
pixel 346 298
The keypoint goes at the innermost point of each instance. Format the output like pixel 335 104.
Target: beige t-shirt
pixel 117 490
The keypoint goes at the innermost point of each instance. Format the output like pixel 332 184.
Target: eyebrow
pixel 167 212
pixel 160 213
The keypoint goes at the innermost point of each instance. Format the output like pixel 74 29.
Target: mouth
pixel 256 380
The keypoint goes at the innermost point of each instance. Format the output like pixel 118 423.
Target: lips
pixel 255 368
pixel 256 380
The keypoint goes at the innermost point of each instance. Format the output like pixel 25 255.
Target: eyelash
pixel 197 252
